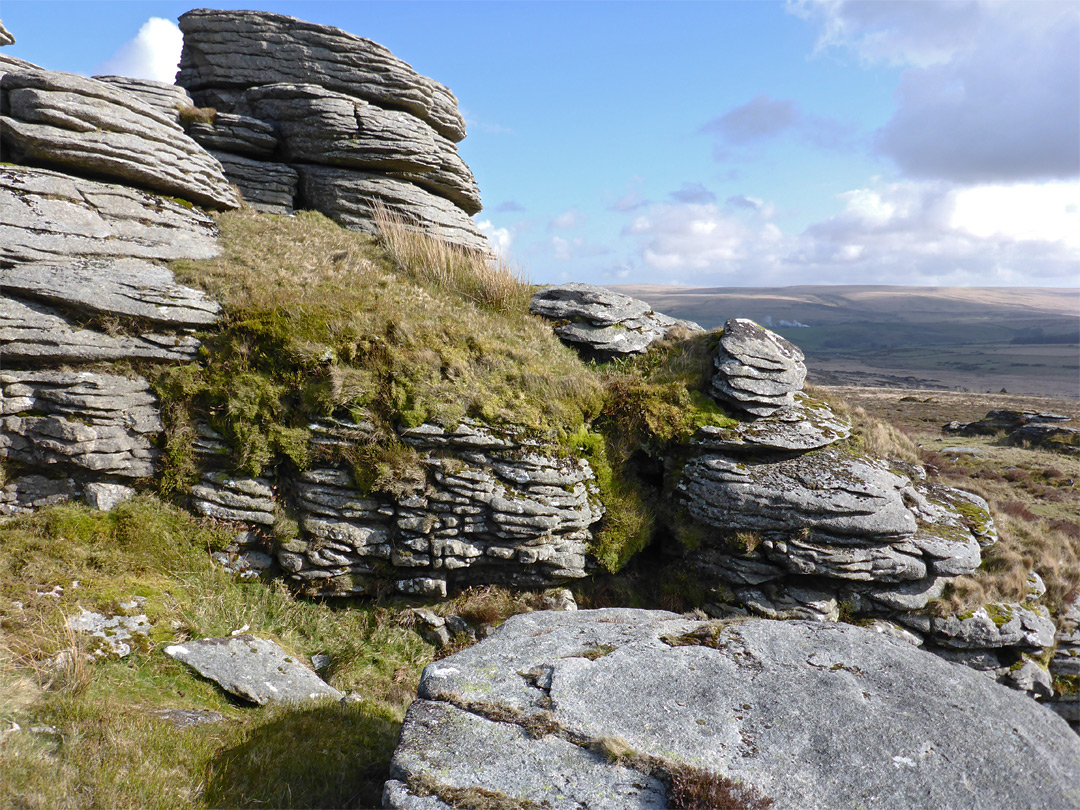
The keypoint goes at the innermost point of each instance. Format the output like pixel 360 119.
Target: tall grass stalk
pixel 488 281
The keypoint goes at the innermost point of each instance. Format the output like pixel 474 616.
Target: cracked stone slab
pixel 254 669
pixel 814 715
pixel 806 425
pixel 31 332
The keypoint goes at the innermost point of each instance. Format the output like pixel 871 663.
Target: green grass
pixel 321 320
pixel 111 750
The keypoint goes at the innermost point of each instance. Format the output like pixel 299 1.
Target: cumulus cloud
pixel 693 193
pixel 500 238
pixel 748 203
pixel 991 92
pixel 154 53
pixel 899 32
pixel 567 220
pixel 910 232
pixel 936 234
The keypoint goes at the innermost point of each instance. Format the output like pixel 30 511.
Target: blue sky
pixel 722 143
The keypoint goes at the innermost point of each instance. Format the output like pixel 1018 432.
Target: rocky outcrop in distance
pixel 607 708
pixel 329 121
pixel 1029 428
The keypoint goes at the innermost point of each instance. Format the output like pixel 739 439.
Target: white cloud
pixel 500 238
pixel 913 233
pixel 991 90
pixel 153 54
pixel 567 219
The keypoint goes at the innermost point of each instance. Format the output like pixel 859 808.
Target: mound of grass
pixel 399 330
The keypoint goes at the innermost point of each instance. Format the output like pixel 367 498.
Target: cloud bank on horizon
pixel 965 173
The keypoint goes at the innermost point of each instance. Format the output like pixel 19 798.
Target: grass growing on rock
pixel 323 321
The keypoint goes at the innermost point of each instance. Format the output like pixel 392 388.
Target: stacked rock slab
pixel 83 281
pixel 327 120
pixel 601 323
pixel 757 371
pixel 795 522
pixel 482 507
pixel 807 715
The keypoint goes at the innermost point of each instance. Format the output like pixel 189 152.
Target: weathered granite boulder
pixel 6 37
pixel 254 669
pixel 48 216
pixel 484 507
pixel 94 128
pixel 602 323
pixel 320 126
pixel 827 521
pixel 77 427
pixel 606 708
pixel 166 98
pixel 757 371
pixel 33 333
pixel 265 186
pixel 348 197
pixel 239 134
pixel 806 425
pixel 232 50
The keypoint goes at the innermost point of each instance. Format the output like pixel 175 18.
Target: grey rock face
pixel 240 134
pixel 812 715
pixel 167 99
pixel 603 323
pixel 48 216
pixel 265 186
pixel 806 425
pixel 487 509
pixel 87 126
pixel 30 332
pixel 254 669
pixel 988 627
pixel 347 197
pixel 6 37
pixel 229 49
pixel 226 497
pixel 320 126
pixel 756 370
pixel 78 422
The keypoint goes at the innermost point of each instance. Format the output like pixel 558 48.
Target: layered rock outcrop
pixel 603 324
pixel 83 280
pixel 91 128
pixel 479 506
pixel 358 126
pixel 609 708
pixel 757 371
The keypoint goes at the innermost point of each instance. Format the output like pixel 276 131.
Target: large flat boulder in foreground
pixel 598 708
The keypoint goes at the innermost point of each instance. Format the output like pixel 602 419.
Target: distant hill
pixel 1022 339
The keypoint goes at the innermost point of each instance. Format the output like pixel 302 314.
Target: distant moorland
pixel 1025 340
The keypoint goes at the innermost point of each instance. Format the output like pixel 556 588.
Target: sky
pixel 910 142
